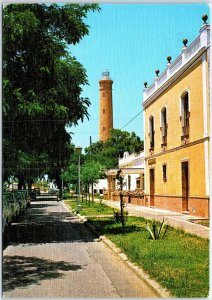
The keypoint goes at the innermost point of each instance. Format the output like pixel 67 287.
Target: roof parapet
pixel 188 52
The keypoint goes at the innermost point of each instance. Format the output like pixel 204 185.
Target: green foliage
pixel 42 83
pixel 156 230
pixel 41 184
pixel 180 262
pixel 118 217
pixel 70 176
pixel 108 152
pixel 66 195
pixel 91 209
pixel 91 172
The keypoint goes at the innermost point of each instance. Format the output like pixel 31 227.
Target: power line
pixel 132 119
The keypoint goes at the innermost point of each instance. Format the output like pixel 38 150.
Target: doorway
pixel 152 187
pixel 185 185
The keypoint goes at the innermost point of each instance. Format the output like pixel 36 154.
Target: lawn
pixel 92 209
pixel 179 262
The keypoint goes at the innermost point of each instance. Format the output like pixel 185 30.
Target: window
pixel 164 126
pixel 164 172
pixel 151 133
pixel 103 111
pixel 185 114
pixel 103 128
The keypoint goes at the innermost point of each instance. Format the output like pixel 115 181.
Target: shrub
pixel 66 195
pixel 157 230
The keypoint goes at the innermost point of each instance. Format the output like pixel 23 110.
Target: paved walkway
pixel 51 254
pixel 174 219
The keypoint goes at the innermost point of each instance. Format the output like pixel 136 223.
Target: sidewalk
pixel 174 219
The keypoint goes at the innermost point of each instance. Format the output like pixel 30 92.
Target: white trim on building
pixel 179 65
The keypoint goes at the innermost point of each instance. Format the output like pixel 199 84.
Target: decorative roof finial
pixel 169 58
pixel 157 72
pixel 145 84
pixel 185 41
pixel 204 18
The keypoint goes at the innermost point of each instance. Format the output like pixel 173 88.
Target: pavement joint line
pixel 154 285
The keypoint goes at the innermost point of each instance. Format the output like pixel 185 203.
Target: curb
pixel 154 285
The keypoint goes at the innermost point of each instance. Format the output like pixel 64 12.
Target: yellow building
pixel 176 114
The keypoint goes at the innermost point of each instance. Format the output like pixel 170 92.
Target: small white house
pixel 132 167
pixel 99 187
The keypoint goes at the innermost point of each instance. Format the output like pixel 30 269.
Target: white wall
pixel 102 184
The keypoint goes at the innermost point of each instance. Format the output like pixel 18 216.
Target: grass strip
pixel 92 209
pixel 179 262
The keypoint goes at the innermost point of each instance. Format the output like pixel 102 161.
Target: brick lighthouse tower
pixel 106 106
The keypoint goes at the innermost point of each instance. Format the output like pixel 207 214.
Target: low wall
pixel 197 206
pixel 137 201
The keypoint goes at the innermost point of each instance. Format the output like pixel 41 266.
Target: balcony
pixel 185 131
pixel 164 141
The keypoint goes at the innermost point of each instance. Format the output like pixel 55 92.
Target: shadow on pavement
pixel 42 225
pixel 20 271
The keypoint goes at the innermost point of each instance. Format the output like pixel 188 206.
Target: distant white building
pixel 132 167
pixel 99 187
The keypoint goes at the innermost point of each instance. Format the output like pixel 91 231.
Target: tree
pixel 91 172
pixel 42 84
pixel 120 178
pixel 108 152
pixel 70 175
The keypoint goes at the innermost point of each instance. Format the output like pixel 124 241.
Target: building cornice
pixel 178 148
pixel 125 171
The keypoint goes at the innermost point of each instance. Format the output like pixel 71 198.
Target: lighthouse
pixel 106 106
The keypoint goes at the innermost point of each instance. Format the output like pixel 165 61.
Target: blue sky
pixel 131 41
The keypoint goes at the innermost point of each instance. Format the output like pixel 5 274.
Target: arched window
pixel 151 133
pixel 164 126
pixel 185 114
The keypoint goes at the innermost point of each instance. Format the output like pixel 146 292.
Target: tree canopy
pixel 42 85
pixel 108 152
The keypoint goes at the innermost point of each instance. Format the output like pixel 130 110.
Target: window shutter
pixel 150 130
pixel 182 113
pixel 163 124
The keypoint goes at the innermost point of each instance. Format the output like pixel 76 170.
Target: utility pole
pixel 92 180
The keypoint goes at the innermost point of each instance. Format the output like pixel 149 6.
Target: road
pixel 51 254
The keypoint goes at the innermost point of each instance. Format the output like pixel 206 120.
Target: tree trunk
pixel 92 191
pixel 122 204
pixel 86 193
pixel 89 196
pixel 29 185
pixel 82 195
pixel 21 182
pixel 122 211
pixel 59 184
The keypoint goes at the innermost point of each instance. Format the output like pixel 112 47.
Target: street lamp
pixel 78 150
pixel 62 182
